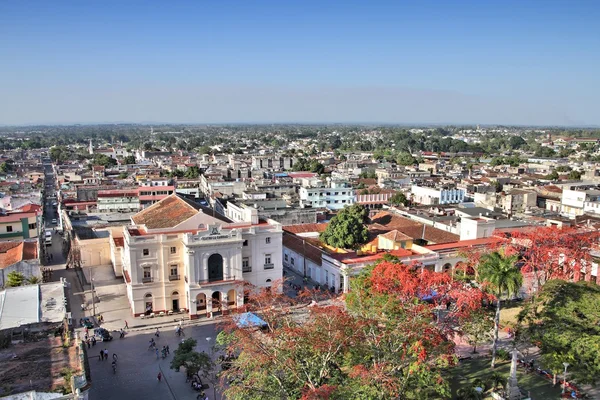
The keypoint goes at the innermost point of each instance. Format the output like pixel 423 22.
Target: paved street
pixel 138 367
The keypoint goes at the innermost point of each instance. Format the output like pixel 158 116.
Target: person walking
pixel 101 355
pixel 106 354
pixel 93 340
pixel 126 325
pixel 159 376
pixel 168 351
pixel 157 333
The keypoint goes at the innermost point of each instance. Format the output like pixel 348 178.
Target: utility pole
pixel 92 284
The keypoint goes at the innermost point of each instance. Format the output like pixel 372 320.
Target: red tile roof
pixel 384 222
pixel 119 242
pixel 167 213
pixel 305 228
pixel 13 252
pixel 301 174
pixel 396 236
pixel 465 243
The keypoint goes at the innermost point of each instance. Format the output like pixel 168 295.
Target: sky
pixel 508 62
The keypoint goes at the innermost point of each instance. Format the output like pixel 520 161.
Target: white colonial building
pixel 179 255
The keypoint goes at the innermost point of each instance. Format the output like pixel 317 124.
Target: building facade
pixel 434 196
pixel 178 256
pixel 336 197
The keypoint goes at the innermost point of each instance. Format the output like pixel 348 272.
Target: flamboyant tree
pixel 555 253
pixel 384 344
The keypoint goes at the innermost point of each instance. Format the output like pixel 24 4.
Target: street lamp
pixel 566 364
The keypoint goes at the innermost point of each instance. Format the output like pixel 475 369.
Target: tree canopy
pixel 564 324
pixel 193 361
pixel 398 198
pixel 129 160
pixel 386 345
pixel 312 165
pixel 347 229
pixel 14 279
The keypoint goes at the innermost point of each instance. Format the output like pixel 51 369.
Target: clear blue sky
pixel 511 62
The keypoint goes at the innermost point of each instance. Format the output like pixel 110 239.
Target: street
pixel 138 367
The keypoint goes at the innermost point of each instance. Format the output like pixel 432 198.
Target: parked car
pixel 104 334
pixel 87 323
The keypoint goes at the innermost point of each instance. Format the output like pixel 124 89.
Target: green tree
pixel 500 273
pixel 192 172
pixel 176 174
pixel 516 142
pixel 575 175
pixel 14 279
pixel 129 160
pixel 552 176
pixel 398 199
pixel 478 328
pixel 103 160
pixel 33 280
pixel 347 229
pixel 60 154
pixel 193 361
pixel 405 158
pixel 564 322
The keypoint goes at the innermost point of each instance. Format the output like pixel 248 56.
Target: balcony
pixel 269 266
pixel 148 279
pixel 247 269
pixel 174 277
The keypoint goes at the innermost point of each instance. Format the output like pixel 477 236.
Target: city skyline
pixel 432 63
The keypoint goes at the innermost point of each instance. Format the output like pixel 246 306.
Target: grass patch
pixel 470 370
pixel 508 316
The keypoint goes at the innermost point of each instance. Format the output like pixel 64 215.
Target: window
pixel 147 275
pixel 245 243
pixel 33 226
pixel 268 240
pixel 9 228
pixel 173 270
pixel 286 257
pixel 336 193
pixel 246 265
pixel 146 252
pixel 268 264
pixel 344 193
pixel 173 250
pixel 293 261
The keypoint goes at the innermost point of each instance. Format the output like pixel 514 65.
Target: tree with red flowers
pixel 555 253
pixel 384 345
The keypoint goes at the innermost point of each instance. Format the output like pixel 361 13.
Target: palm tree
pixel 504 277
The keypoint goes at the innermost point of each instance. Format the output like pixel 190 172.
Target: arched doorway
pixel 175 301
pixel 231 298
pixel 447 268
pixel 216 302
pixel 148 303
pixel 215 268
pixel 200 302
